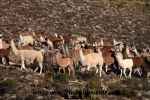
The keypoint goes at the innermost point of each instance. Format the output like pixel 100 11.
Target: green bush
pixel 88 76
pixel 7 85
pixel 118 89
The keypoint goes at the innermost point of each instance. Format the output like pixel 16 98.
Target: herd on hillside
pixel 76 53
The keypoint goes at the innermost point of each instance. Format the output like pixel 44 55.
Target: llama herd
pixel 76 54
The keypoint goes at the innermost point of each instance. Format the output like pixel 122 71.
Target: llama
pixel 102 43
pixel 138 63
pixel 38 37
pixel 54 42
pixel 124 64
pixel 49 43
pixel 85 51
pixel 117 44
pixel 146 62
pixel 74 54
pixel 93 40
pixel 5 44
pixel 64 50
pixel 25 39
pixel 91 60
pixel 128 52
pixel 137 54
pixel 5 53
pixel 1 45
pixel 82 39
pixel 108 57
pixel 28 56
pixel 64 62
pixel 67 39
pixel 26 47
pixel 49 58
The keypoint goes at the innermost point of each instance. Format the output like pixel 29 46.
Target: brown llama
pixel 38 36
pixel 107 53
pixel 67 39
pixel 5 44
pixel 64 62
pixel 102 43
pixel 5 53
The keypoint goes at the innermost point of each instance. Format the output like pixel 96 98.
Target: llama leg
pixel 72 69
pixel 7 60
pixel 106 68
pixel 1 62
pixel 120 72
pixel 23 66
pixel 139 71
pixel 100 71
pixel 41 67
pixel 64 70
pixel 59 70
pixel 96 69
pixel 36 69
pixel 130 72
pixel 69 70
pixel 124 72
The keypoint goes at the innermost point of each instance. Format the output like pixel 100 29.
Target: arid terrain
pixel 126 20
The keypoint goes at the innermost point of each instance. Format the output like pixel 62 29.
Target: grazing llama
pixel 28 56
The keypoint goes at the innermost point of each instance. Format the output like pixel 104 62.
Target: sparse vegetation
pixel 7 86
pixel 125 19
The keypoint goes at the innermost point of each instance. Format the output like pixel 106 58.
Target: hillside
pixel 127 20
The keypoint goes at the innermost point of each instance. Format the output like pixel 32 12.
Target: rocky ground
pixel 127 20
pixel 124 19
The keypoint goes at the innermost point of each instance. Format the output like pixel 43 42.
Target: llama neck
pixel 119 59
pixel 82 57
pixel 114 42
pixel 19 45
pixel 20 36
pixel 57 59
pixel 102 43
pixel 42 39
pixel 14 49
pixel 128 53
pixel 99 51
pixel 137 54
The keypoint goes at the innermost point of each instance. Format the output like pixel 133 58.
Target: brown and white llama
pixel 38 37
pixel 138 63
